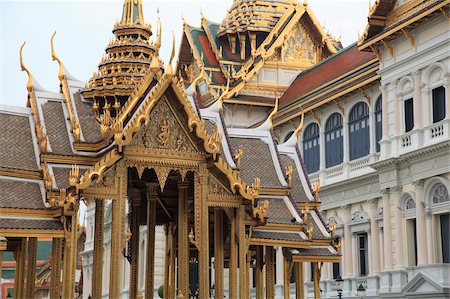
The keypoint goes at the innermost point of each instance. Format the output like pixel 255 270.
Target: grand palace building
pixel 265 161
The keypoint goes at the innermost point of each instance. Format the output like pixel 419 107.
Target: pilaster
pixel 259 273
pixel 134 259
pixel 218 254
pixel 152 195
pixel 70 254
pixel 299 281
pixel 97 267
pixel 387 229
pixel 395 193
pixel 55 284
pixel 203 239
pixel 422 254
pixel 166 262
pixel 117 231
pixel 233 258
pixel 270 272
pixel 31 268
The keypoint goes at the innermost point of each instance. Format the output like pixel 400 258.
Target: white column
pixel 422 256
pixel 371 129
pixel 417 101
pixel 346 132
pixel 348 256
pixel 374 248
pixel 381 239
pixel 322 145
pixel 387 229
pixel 397 107
pixel 430 237
pixel 447 99
pixel 384 111
pixel 399 242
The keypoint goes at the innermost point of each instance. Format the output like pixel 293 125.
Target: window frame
pixel 378 125
pixel 408 118
pixel 433 118
pixel 329 130
pixel 308 151
pixel 359 131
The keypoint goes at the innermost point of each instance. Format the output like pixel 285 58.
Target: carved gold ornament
pixel 316 189
pixel 238 156
pixel 164 133
pixel 289 170
pixel 310 231
pixel 261 211
pixel 305 212
pixel 332 227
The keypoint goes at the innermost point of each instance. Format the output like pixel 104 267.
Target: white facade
pixel 393 206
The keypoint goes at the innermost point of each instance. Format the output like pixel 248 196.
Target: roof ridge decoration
pixel 62 76
pixel 41 134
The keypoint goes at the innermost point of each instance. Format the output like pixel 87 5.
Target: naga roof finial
pixel 169 70
pixel 61 72
pixel 300 126
pixel 24 68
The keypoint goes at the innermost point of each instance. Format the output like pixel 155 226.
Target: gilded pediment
pixel 299 46
pixel 164 131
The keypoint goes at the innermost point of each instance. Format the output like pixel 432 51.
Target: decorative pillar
pixel 430 236
pixel 55 283
pixel 374 248
pixel 286 276
pixel 387 229
pixel 203 239
pixel 117 231
pixel 348 256
pixel 384 112
pixel 173 246
pixel 20 254
pixel 218 254
pixel 270 272
pixel 134 258
pixel 152 193
pixel 247 274
pixel 70 254
pixel 97 267
pixel 397 108
pixel 31 268
pixel 166 262
pixel 316 280
pixel 422 255
pixel 259 273
pixel 242 38
pixel 299 279
pixel 233 258
pixel 242 253
pixel 395 193
pixel 417 101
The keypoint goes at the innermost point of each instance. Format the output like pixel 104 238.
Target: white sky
pixel 84 29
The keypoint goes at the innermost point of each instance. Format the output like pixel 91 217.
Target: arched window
pixel 334 140
pixel 438 104
pixel 440 194
pixel 378 122
pixel 410 204
pixel 311 148
pixel 359 131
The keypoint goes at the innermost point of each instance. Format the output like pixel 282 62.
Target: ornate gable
pixel 299 46
pixel 164 131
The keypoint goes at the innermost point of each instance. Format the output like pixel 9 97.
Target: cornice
pixel 20 173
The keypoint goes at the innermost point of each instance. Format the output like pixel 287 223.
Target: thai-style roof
pixel 390 18
pixel 74 127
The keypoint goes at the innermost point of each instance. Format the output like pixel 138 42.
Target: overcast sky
pixel 84 29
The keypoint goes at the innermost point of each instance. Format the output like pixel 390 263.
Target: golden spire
pixel 132 12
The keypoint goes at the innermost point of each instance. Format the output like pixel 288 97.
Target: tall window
pixel 334 140
pixel 411 230
pixel 311 148
pixel 359 131
pixel 409 115
pixel 336 271
pixel 378 122
pixel 438 104
pixel 445 237
pixel 362 254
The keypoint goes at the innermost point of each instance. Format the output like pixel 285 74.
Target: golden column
pixel 233 257
pixel 203 239
pixel 97 267
pixel 166 261
pixel 316 280
pixel 173 246
pixel 55 284
pixel 70 254
pixel 259 272
pixel 242 253
pixel 152 193
pixel 31 268
pixel 299 287
pixel 218 254
pixel 20 254
pixel 117 231
pixel 134 262
pixel 270 272
pixel 287 276
pixel 183 245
